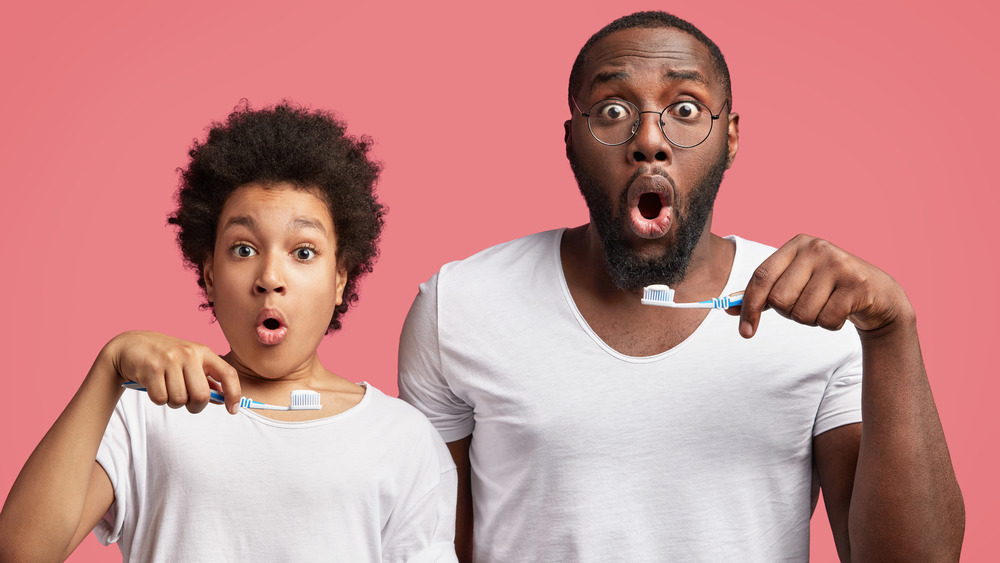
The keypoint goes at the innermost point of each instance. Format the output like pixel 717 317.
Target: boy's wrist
pixel 108 360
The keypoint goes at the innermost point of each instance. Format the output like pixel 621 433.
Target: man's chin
pixel 635 264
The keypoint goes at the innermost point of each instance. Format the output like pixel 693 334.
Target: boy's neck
pixel 337 394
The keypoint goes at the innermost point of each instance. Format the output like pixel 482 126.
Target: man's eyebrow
pixel 687 75
pixel 610 76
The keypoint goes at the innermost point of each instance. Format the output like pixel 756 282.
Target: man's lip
pixel 650 183
pixel 662 187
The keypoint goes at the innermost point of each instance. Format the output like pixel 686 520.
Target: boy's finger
pixel 152 379
pixel 177 395
pixel 226 375
pixel 197 388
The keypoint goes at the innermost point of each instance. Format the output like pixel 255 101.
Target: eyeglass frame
pixel 711 125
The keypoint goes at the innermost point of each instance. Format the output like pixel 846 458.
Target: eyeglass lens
pixel 686 123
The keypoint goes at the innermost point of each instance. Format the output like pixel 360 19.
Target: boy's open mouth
pixel 271 329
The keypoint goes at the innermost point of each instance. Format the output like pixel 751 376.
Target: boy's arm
pixel 45 507
pixel 61 488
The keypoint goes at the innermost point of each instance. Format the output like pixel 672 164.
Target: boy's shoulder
pixel 396 412
pixel 398 422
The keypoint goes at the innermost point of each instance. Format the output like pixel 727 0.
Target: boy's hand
pixel 813 282
pixel 174 372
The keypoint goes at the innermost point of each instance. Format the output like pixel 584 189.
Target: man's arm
pixel 835 454
pixel 463 517
pixel 904 501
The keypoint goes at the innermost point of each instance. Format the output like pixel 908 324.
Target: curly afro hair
pixel 283 144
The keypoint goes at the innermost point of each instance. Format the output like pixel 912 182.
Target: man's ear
pixel 734 138
pixel 568 135
pixel 208 275
pixel 341 282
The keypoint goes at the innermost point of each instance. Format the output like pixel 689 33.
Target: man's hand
pixel 174 372
pixel 904 503
pixel 812 282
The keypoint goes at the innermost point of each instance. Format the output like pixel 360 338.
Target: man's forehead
pixel 676 53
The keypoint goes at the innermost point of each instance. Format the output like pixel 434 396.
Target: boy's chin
pixel 268 362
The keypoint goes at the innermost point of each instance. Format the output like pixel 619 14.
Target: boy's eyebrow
pixel 242 220
pixel 300 223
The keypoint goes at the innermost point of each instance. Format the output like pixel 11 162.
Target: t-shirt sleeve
pixel 841 403
pixel 422 526
pixel 422 379
pixel 115 456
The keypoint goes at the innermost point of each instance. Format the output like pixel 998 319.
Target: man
pixel 591 427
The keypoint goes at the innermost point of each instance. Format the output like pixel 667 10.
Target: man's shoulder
pixel 506 258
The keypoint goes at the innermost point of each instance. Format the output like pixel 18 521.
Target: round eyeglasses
pixel 685 124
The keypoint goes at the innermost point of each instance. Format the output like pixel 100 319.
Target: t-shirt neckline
pixel 292 424
pixel 568 296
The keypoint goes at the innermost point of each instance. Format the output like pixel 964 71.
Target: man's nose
pixel 271 276
pixel 649 143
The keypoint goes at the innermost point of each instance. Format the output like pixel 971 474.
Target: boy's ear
pixel 208 274
pixel 341 282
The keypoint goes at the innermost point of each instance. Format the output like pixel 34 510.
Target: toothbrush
pixel 302 400
pixel 663 296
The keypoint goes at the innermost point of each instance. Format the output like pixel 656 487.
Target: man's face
pixel 274 276
pixel 650 201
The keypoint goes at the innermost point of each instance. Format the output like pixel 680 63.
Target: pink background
pixel 871 124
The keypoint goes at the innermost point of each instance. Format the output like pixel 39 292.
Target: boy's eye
pixel 305 253
pixel 244 250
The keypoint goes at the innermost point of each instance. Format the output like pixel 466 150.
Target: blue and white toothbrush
pixel 663 296
pixel 302 399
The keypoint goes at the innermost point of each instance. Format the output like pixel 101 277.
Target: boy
pixel 278 216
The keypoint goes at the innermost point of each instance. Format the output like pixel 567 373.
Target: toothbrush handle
pixel 248 403
pixel 216 397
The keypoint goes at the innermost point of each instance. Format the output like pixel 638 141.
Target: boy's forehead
pixel 276 206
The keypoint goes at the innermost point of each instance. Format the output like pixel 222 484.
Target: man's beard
pixel 627 270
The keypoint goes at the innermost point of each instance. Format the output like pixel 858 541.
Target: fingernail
pixel 746 329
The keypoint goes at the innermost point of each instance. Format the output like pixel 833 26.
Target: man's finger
pixel 759 288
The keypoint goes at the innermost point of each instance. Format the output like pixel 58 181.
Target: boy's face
pixel 274 276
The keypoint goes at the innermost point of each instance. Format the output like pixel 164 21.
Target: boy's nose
pixel 270 279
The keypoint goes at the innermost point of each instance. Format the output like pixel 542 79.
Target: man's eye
pixel 305 253
pixel 244 250
pixel 685 110
pixel 613 111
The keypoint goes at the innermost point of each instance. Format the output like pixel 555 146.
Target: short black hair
pixel 650 20
pixel 285 143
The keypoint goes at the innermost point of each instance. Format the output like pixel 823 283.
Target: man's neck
pixel 617 315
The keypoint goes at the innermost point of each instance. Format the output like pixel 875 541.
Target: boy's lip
pixel 271 336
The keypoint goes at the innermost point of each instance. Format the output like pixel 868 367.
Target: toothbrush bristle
pixel 303 399
pixel 659 293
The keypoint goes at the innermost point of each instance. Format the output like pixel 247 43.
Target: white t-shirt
pixel 580 453
pixel 374 483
